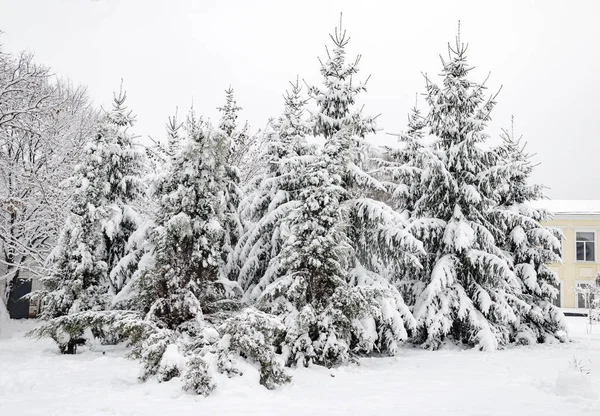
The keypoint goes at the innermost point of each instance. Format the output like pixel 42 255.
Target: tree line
pixel 220 246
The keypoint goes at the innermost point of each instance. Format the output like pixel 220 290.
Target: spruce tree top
pixel 336 98
pixel 459 110
pixel 290 127
pixel 112 166
pixel 228 122
pixel 119 115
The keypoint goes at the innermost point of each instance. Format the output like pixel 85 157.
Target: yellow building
pixel 580 223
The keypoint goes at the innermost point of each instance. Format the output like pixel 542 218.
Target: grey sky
pixel 546 54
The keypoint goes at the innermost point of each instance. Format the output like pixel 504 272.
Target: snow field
pixel 540 380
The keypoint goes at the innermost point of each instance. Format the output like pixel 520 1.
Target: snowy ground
pixel 36 380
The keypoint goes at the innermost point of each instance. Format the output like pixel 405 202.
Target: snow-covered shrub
pixel 591 294
pixel 151 352
pixel 286 298
pixel 198 351
pixel 172 363
pixel 255 336
pixel 196 377
pixel 68 330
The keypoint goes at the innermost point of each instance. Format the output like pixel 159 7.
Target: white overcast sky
pixel 546 54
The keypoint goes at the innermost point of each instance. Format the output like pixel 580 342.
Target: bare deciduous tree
pixel 43 125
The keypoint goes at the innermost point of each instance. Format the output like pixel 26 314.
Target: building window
pixel 585 243
pixel 585 295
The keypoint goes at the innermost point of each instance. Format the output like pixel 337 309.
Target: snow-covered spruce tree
pixel 174 139
pixel 185 321
pixel 468 283
pixel 271 195
pixel 405 164
pixel 180 276
pixel 400 170
pixel 246 147
pixel 160 155
pixel 189 235
pixel 124 168
pixel 95 237
pixel 332 306
pixel 237 142
pixel 159 159
pixel 530 246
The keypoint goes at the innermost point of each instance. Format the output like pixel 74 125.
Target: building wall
pixel 572 271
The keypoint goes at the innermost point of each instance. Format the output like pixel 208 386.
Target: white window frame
pixel 585 230
pixel 577 282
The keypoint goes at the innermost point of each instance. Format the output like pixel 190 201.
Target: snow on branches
pixel 264 252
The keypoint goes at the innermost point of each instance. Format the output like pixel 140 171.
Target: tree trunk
pixel 4 317
pixel 10 283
